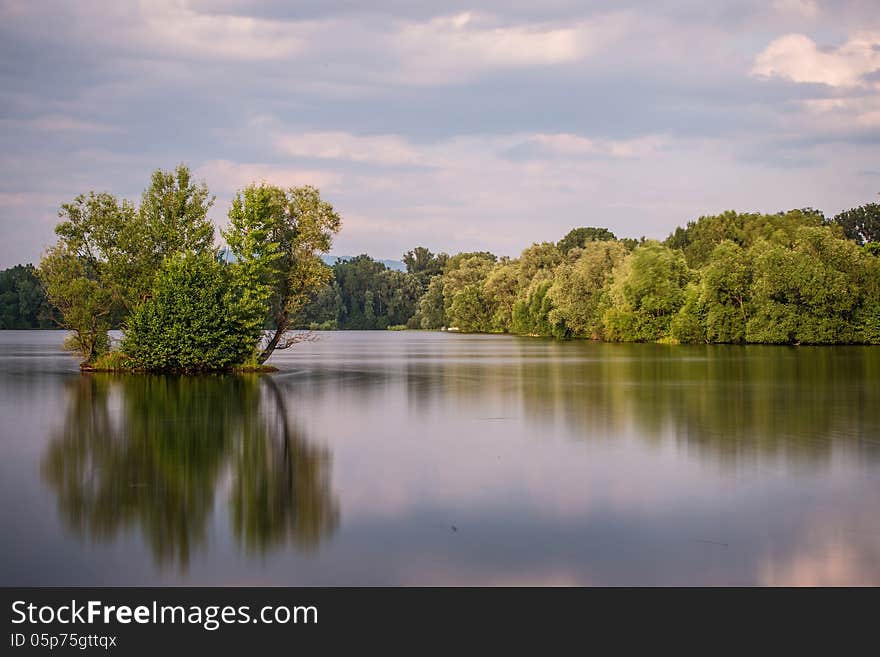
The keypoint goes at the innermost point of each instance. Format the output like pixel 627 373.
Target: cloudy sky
pixel 458 125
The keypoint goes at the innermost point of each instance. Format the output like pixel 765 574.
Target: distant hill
pixel 396 265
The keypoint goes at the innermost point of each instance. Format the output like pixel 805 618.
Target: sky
pixel 454 125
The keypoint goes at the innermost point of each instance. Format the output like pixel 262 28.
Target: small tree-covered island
pixel 185 304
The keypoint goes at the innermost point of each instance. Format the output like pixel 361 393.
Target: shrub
pixel 193 322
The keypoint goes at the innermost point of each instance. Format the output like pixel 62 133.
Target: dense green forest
pixel 23 303
pixel 785 278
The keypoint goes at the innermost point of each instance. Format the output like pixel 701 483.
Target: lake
pixel 427 458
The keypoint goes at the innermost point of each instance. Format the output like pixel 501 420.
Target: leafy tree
pixel 84 274
pixel 500 291
pixel 468 311
pixel 172 219
pixel 861 224
pixel 322 310
pixel 538 262
pixel 174 213
pixel 194 320
pixel 688 325
pixel 531 314
pixel 578 287
pixel 107 253
pixel 74 288
pixel 398 296
pixel 578 238
pixel 432 308
pixel 368 295
pixel 699 238
pixel 646 292
pixel 424 265
pixel 461 272
pixel 454 262
pixel 809 293
pixel 23 303
pixel 725 293
pixel 358 281
pixel 867 316
pixel 278 235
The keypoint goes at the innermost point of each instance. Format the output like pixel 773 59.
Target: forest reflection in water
pixel 153 452
pixel 727 403
pixel 565 463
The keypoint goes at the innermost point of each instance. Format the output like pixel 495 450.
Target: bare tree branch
pixel 290 339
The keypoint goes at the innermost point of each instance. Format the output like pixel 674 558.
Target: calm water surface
pixel 430 458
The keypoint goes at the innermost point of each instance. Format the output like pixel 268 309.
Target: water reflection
pixel 564 463
pixel 152 452
pixel 726 403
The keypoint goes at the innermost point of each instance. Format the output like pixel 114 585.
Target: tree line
pixel 785 278
pixel 23 303
pixel 154 271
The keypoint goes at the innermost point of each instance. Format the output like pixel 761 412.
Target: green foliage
pixel 114 360
pixel 371 296
pixel 74 286
pixel 463 272
pixel 786 278
pixel 86 274
pixel 277 237
pixel 699 238
pixel 531 315
pixel 424 265
pixel 867 315
pixel 108 252
pixel 103 271
pixel 322 308
pixel 23 302
pixel 328 325
pixel 861 224
pixel 454 262
pixel 577 288
pixel 809 293
pixel 174 213
pixel 193 321
pixel 432 309
pixel 538 262
pixel 578 238
pixel 688 324
pixel 468 311
pixel 725 292
pixel 172 219
pixel 500 291
pixel 646 292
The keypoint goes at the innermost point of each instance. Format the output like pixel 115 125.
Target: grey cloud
pixel 92 97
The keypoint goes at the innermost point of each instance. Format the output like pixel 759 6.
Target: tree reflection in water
pixel 150 453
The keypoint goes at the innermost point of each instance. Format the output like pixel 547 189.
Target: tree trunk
pixel 281 325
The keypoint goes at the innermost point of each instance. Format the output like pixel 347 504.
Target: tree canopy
pixel 155 270
pixel 861 224
pixel 783 278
